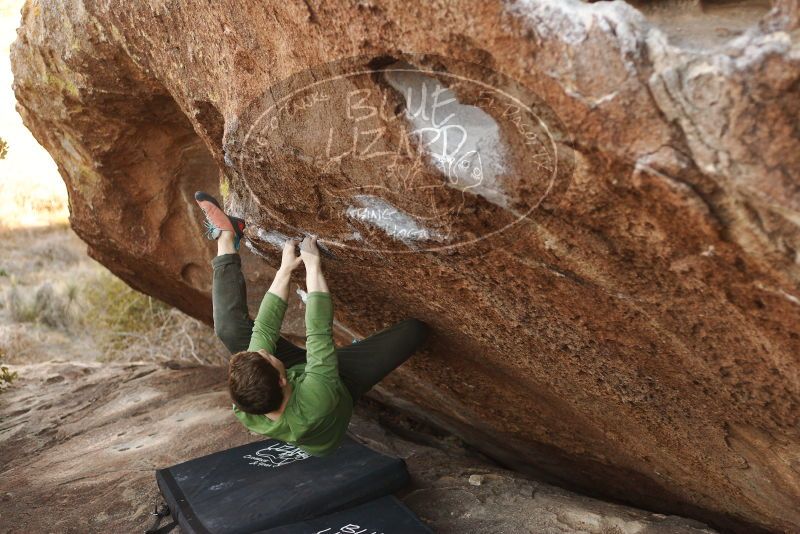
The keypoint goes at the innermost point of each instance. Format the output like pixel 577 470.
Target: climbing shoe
pixel 217 220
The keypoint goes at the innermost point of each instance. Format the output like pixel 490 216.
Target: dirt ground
pixel 80 441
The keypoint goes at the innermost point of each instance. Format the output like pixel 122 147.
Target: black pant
pixel 361 365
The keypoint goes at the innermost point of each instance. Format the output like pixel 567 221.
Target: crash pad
pixel 270 483
pixel 386 515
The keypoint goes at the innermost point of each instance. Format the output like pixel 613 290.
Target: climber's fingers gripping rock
pixel 289 259
pixel 309 252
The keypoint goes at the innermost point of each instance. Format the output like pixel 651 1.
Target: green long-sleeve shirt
pixel 320 406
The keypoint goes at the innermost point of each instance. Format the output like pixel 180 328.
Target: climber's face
pixel 276 363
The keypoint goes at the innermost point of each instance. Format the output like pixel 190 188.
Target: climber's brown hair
pixel 254 383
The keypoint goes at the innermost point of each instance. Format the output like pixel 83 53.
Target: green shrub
pixel 6 377
pixel 44 306
pixel 121 323
pixel 119 313
pixel 128 325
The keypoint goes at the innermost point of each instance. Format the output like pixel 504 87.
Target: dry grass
pixel 44 305
pixel 56 302
pixel 132 326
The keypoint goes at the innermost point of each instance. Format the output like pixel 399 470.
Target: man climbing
pixel 303 397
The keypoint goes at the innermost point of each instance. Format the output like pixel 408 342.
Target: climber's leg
pixel 364 363
pixel 232 322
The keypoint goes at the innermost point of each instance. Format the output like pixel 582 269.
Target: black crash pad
pixel 270 483
pixel 386 515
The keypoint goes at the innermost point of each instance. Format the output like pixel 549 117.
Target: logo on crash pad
pixel 399 154
pixel 276 455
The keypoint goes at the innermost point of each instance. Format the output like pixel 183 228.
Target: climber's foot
pixel 217 221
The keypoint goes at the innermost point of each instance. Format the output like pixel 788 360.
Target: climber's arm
pixel 309 253
pixel 267 325
pixel 320 350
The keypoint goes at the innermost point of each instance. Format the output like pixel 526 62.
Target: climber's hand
pixel 290 261
pixel 315 280
pixel 309 252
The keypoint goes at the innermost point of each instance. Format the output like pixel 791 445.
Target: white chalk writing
pixel 276 455
pixel 349 528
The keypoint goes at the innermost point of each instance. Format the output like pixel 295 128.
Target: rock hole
pixel 210 119
pixel 461 140
pixel 381 62
pixel 193 274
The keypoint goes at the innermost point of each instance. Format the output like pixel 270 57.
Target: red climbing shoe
pixel 217 220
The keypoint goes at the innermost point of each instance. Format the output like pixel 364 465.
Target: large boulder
pixel 609 259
